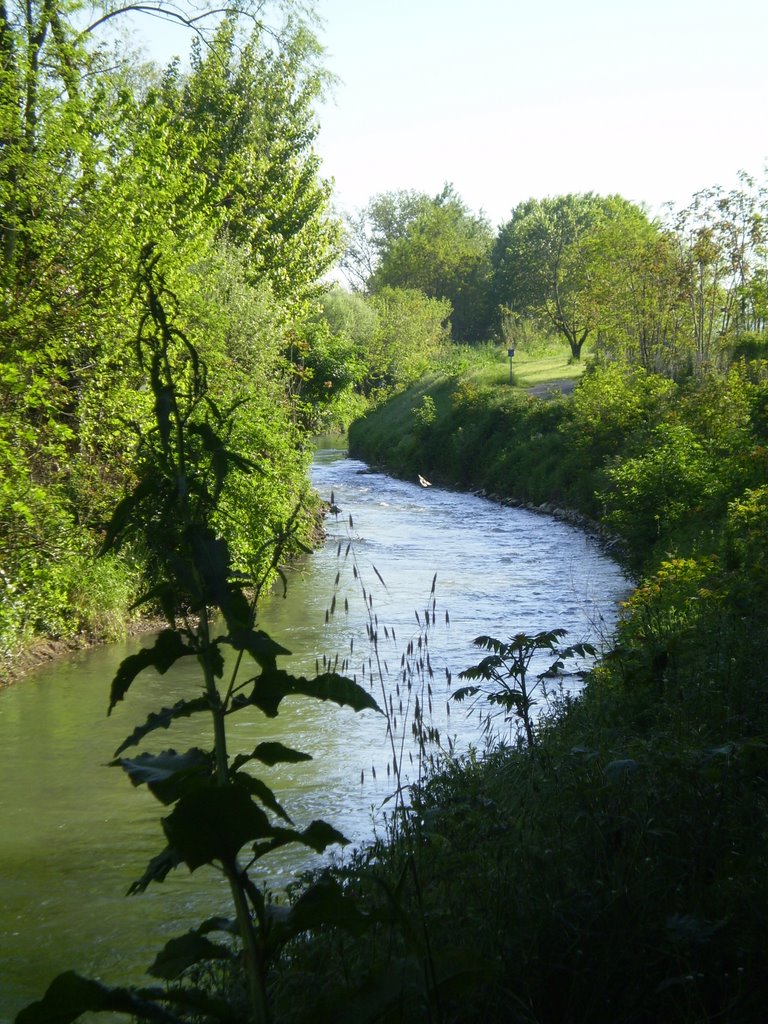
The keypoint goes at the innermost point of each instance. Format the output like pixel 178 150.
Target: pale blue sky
pixel 654 100
pixel 510 100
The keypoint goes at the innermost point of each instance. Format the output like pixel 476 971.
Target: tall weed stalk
pixel 221 815
pixel 401 674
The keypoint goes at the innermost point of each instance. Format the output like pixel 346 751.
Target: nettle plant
pixel 220 814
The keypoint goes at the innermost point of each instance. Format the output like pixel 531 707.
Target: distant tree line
pixel 674 295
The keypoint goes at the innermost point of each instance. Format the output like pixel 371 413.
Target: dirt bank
pixel 45 649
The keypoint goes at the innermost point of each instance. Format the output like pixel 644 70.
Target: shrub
pixel 614 407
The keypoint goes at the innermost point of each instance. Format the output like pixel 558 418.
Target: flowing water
pixel 74 833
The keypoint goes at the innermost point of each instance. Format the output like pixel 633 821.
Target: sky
pixel 509 100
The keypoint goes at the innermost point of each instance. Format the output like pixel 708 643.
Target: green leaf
pixel 157 870
pixel 255 642
pixel 271 754
pixel 213 823
pixel 212 561
pixel 238 613
pixel 180 953
pixel 317 836
pixel 325 903
pixel 168 775
pixel 123 515
pixel 163 594
pixel 162 720
pixel 262 792
pixel 465 691
pixel 169 647
pixel 70 995
pixel 270 688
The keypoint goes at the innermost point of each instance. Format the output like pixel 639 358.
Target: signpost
pixel 510 353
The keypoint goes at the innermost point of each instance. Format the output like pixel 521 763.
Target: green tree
pixel 545 257
pixel 217 168
pixel 412 330
pixel 444 252
pixel 250 105
pixel 371 232
pixel 722 248
pixel 636 281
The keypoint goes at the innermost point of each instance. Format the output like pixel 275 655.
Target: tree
pixel 444 251
pixel 544 261
pixel 250 105
pixel 96 161
pixel 412 329
pixel 372 231
pixel 721 239
pixel 636 282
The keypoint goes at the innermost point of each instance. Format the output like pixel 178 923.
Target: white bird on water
pixel 423 482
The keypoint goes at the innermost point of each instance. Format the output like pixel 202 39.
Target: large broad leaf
pixel 157 870
pixel 213 823
pixel 238 611
pixel 317 836
pixel 465 691
pixel 70 995
pixel 211 558
pixel 123 514
pixel 168 775
pixel 324 903
pixel 257 643
pixel 180 953
pixel 169 647
pixel 271 754
pixel 485 670
pixel 164 595
pixel 162 720
pixel 270 688
pixel 262 792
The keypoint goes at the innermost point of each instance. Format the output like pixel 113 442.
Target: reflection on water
pixel 75 833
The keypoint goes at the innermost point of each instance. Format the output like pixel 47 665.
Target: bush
pixel 655 494
pixel 614 408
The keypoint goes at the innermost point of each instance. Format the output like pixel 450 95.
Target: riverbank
pixel 615 871
pixel 43 650
pixel 39 650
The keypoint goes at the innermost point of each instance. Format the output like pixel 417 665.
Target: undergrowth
pixel 614 869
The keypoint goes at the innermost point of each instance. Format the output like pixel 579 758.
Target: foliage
pixel 722 252
pixel 614 869
pixel 98 156
pixel 371 232
pixel 678 295
pixel 253 111
pixel 507 668
pixel 444 252
pixel 333 379
pixel 411 334
pixel 216 807
pixel 545 260
pixel 614 408
pixel 637 281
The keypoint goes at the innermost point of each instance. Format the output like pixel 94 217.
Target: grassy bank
pixel 614 871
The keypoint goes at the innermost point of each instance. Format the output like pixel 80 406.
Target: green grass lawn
pixel 532 369
pixel 540 366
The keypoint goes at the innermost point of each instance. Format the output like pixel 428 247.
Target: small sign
pixel 510 352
